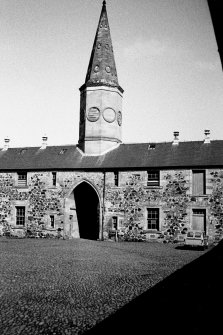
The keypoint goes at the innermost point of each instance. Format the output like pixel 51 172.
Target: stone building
pixel 101 185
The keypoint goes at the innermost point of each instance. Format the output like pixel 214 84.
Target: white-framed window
pixel 153 218
pixel 153 178
pixel 22 179
pixel 198 182
pixel 20 215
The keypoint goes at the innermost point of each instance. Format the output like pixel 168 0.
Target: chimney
pixel 207 136
pixel 6 146
pixel 176 139
pixel 44 142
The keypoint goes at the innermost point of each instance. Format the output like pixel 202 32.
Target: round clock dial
pixel 109 115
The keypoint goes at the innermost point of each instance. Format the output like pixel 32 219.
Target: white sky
pixel 166 58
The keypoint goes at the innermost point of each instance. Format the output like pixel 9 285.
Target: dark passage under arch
pixel 88 211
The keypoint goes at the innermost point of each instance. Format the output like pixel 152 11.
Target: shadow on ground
pixel 187 302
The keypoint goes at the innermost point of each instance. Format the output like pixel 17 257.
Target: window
pixel 115 222
pixel 153 218
pixel 52 221
pixel 152 146
pixel 54 174
pixel 199 219
pixel 190 234
pixel 116 178
pixel 198 182
pixel 153 178
pixel 22 179
pixel 20 215
pixel 22 151
pixel 62 151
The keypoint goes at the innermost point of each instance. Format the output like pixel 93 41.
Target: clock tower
pixel 100 96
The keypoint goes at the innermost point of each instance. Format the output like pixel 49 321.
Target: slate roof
pixel 102 68
pixel 124 157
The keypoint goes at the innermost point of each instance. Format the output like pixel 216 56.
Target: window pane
pixel 198 183
pixel 54 178
pixel 52 221
pixel 20 215
pixel 153 178
pixel 153 218
pixel 198 219
pixel 116 179
pixel 22 178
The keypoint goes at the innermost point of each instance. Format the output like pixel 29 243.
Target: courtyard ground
pixel 69 286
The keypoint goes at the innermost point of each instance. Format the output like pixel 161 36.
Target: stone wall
pixel 173 198
pixel 128 201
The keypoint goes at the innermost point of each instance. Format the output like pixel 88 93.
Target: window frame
pixel 156 211
pixel 20 218
pixel 21 182
pixel 54 178
pixel 203 171
pixel 155 181
pixel 52 221
pixel 202 212
pixel 115 222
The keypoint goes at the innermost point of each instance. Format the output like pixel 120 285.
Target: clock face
pixel 109 115
pixel 93 114
pixel 119 118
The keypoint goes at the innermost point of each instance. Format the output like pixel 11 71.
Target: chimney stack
pixel 6 146
pixel 176 138
pixel 44 142
pixel 207 136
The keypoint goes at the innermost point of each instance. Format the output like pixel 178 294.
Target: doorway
pixel 87 211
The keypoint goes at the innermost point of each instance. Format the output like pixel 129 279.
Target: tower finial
pixel 104 3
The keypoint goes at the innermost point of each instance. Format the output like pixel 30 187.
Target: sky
pixel 166 58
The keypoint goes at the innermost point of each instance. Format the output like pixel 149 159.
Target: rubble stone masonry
pixel 127 202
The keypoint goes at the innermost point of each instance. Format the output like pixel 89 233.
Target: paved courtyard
pixel 67 286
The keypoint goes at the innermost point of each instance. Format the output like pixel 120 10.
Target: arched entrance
pixel 83 207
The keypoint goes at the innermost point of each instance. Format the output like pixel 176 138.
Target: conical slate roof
pixel 101 68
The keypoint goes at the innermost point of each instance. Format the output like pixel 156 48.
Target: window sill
pixel 152 187
pixel 22 187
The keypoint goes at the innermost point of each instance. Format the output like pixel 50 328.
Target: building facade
pixel 102 185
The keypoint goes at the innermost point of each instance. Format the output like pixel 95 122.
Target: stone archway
pixel 83 212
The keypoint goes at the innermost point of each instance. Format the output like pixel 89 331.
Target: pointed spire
pixel 101 68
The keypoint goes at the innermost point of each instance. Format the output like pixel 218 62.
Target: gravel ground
pixel 67 286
